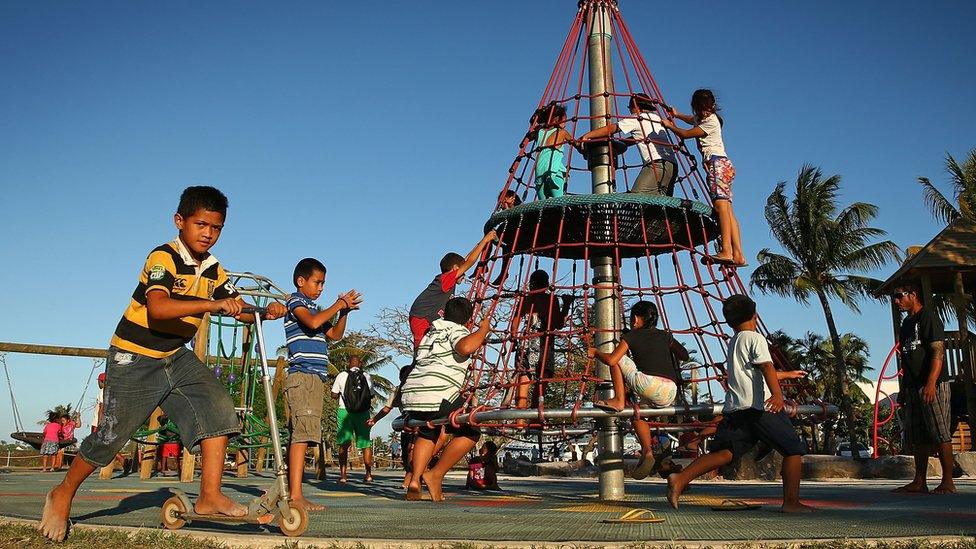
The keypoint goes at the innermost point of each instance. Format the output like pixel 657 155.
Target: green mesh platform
pixel 593 225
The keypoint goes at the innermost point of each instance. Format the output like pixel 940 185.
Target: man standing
pixel 924 392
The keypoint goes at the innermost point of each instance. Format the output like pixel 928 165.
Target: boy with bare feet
pixel 308 329
pixel 925 392
pixel 433 391
pixel 148 364
pixel 748 415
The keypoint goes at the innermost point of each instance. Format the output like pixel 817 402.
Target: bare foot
pixel 946 487
pixel 307 505
pixel 413 493
pixel 368 478
pixel 343 480
pixel 433 485
pixel 219 505
pixel 675 487
pixel 913 488
pixel 54 519
pixel 797 508
pixel 406 480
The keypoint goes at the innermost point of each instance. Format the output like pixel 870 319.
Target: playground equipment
pixel 600 252
pixel 177 511
pixel 35 438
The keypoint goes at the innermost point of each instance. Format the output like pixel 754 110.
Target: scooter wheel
pixel 172 513
pixel 295 523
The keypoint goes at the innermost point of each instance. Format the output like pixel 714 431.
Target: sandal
pixel 607 408
pixel 635 516
pixel 736 505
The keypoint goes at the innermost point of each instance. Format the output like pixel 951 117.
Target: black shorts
pixel 739 431
pixel 431 433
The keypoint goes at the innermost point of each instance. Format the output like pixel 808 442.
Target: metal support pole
pixel 605 282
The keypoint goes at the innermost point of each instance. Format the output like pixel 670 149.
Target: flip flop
pixel 728 262
pixel 643 468
pixel 607 408
pixel 635 516
pixel 736 505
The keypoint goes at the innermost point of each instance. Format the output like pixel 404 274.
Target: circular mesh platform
pixel 592 225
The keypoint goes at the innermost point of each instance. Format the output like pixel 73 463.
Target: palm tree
pixel 962 178
pixel 825 249
pixel 963 181
pixel 59 410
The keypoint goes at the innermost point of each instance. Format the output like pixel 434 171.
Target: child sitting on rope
pixel 433 391
pixel 148 364
pixel 718 169
pixel 550 135
pixel 660 171
pixel 535 354
pixel 749 415
pixel 652 376
pixel 429 305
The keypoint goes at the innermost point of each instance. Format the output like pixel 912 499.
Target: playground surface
pixel 544 510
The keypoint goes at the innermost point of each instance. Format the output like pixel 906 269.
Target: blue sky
pixel 375 136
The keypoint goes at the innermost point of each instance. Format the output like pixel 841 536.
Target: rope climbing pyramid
pixel 571 264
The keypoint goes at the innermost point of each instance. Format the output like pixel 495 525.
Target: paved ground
pixel 544 510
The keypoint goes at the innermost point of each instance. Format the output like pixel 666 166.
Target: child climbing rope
pixel 652 376
pixel 429 305
pixel 748 415
pixel 549 132
pixel 719 170
pixel 535 355
pixel 433 391
pixel 660 171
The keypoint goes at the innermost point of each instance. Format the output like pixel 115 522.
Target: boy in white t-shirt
pixel 750 413
pixel 660 170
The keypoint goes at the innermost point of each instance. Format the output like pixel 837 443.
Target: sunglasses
pixel 897 295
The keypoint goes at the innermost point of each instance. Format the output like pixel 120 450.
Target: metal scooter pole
pixel 281 470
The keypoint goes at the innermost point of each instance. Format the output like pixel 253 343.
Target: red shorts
pixel 418 327
pixel 170 449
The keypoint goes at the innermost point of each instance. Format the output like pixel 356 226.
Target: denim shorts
pixel 179 384
pixel 740 430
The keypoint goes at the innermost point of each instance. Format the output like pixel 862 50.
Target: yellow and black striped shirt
pixel 170 268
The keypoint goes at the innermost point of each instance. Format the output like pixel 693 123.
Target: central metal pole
pixel 605 282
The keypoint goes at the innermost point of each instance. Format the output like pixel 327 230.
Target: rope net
pixel 560 257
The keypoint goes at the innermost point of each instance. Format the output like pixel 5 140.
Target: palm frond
pixel 939 206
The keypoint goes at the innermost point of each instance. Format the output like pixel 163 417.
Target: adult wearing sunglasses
pixel 924 393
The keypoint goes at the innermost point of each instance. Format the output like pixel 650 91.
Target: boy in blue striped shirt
pixel 308 330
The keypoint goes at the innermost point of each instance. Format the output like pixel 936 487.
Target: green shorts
pixel 352 426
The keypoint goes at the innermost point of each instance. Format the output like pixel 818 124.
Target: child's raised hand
pixel 350 300
pixel 794 374
pixel 485 323
pixel 491 235
pixel 590 352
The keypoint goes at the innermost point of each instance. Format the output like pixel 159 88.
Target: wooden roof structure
pixel 952 252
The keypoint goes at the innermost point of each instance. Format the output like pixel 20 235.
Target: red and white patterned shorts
pixel 719 174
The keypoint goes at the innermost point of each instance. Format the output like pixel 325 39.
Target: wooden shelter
pixel 945 268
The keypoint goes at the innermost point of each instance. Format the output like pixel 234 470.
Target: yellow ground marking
pixel 121 490
pixel 597 507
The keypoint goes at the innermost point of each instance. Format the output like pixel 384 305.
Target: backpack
pixel 356 394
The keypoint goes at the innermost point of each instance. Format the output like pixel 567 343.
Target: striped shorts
pixel 927 423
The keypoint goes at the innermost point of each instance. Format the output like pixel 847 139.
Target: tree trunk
pixel 845 396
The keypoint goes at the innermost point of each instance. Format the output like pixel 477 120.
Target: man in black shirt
pixel 924 393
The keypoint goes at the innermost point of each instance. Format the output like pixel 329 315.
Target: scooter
pixel 178 511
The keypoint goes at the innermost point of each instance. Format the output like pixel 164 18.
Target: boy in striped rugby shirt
pixel 433 390
pixel 148 364
pixel 308 330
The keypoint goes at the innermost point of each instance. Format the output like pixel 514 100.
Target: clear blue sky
pixel 375 135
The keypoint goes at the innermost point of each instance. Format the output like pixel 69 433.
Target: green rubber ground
pixel 543 510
